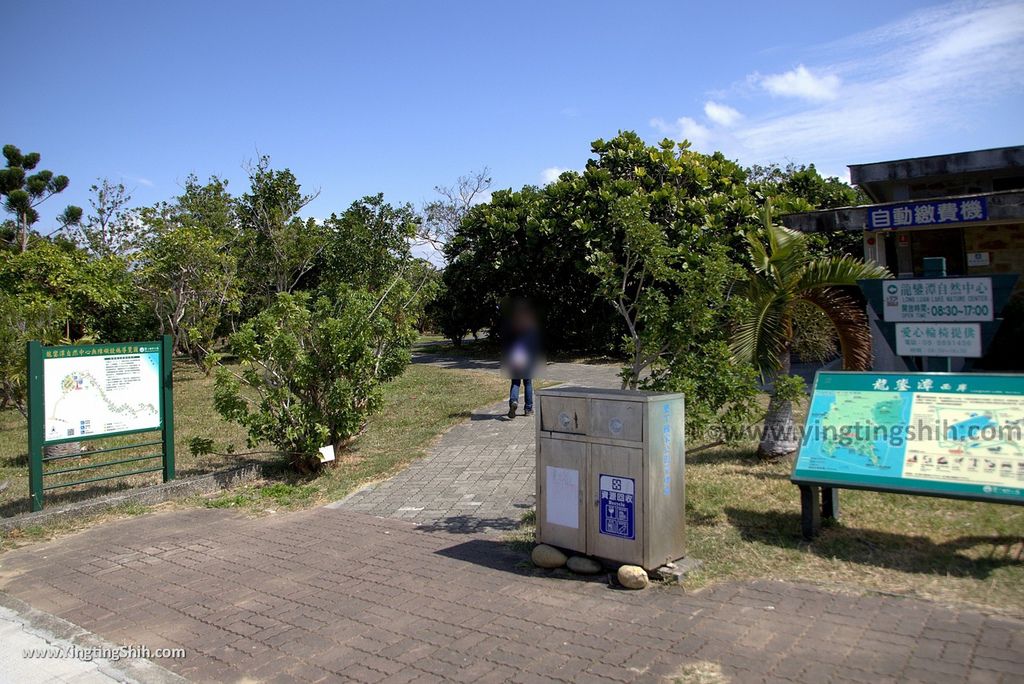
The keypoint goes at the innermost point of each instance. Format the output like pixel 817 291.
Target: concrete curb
pixel 202 484
pixel 60 632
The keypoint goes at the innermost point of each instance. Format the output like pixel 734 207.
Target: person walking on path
pixel 521 354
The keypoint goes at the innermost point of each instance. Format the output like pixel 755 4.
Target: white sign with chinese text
pixel 939 339
pixel 978 259
pixel 938 299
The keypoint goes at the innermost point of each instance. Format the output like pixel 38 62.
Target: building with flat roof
pixel 967 207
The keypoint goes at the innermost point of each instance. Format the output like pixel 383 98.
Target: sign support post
pixel 35 424
pixel 167 405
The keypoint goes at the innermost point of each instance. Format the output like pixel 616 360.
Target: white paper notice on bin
pixel 562 502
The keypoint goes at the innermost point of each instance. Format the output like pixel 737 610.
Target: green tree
pixel 187 270
pixel 78 290
pixel 511 248
pixel 21 321
pixel 277 248
pixel 796 188
pixel 56 292
pixel 660 228
pixel 786 275
pixel 659 223
pixel 365 245
pixel 22 193
pixel 111 228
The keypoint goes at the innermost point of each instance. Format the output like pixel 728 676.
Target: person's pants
pixel 513 393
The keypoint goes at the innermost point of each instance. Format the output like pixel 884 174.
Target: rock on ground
pixel 633 577
pixel 545 556
pixel 584 565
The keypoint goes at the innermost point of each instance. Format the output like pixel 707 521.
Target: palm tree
pixel 785 274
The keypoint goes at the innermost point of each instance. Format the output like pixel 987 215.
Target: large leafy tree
pixel 507 248
pixel 187 270
pixel 797 188
pixel 23 193
pixel 57 292
pixel 277 248
pixel 785 275
pixel 660 226
pixel 659 222
pixel 364 245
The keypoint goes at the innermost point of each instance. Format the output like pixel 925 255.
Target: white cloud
pixel 924 77
pixel 684 128
pixel 136 179
pixel 721 114
pixel 800 82
pixel 551 174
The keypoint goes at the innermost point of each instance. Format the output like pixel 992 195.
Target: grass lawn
pixel 743 522
pixel 420 404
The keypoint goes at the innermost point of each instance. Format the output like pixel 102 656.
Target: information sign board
pixel 938 299
pixel 947 434
pixel 78 393
pixel 939 339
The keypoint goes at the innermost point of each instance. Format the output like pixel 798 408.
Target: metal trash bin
pixel 611 474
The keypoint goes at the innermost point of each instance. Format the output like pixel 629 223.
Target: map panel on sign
pixel 86 396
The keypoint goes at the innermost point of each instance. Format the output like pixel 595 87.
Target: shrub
pixel 311 371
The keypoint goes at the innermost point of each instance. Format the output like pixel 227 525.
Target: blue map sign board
pixel 917 214
pixel 618 495
pixel 943 434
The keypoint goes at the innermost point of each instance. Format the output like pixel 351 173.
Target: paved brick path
pixel 334 595
pixel 479 475
pixel 407 582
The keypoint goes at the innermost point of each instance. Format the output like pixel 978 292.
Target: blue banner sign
pixel 962 210
pixel 947 434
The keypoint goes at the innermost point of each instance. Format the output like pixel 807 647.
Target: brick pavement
pixel 333 595
pixel 427 593
pixel 479 475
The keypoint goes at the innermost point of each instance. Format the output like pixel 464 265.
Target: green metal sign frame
pixel 36 353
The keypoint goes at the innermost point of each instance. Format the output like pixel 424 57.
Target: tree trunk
pixel 779 437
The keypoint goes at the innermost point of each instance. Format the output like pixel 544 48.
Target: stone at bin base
pixel 632 577
pixel 544 556
pixel 582 565
pixel 677 570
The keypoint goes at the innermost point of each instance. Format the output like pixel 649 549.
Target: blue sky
pixel 398 97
